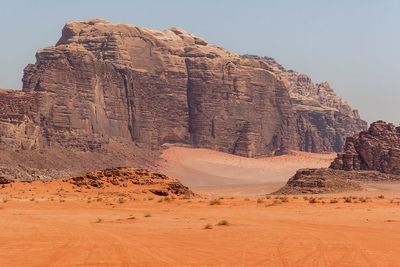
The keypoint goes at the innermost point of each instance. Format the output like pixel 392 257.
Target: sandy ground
pixel 210 171
pixel 87 231
pixel 57 224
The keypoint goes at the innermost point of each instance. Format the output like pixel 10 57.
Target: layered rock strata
pixel 369 156
pixel 105 83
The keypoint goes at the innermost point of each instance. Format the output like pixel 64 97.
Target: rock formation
pixel 323 120
pixel 105 83
pixel 155 183
pixel 376 149
pixel 372 155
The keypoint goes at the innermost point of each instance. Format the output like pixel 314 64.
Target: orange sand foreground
pixel 108 231
pixel 57 224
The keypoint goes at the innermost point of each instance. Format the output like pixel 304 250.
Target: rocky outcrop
pixel 327 180
pixel 148 181
pixel 376 149
pixel 323 119
pixel 370 156
pixel 105 83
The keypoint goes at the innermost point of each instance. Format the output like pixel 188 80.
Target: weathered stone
pixel 104 84
pixel 327 180
pixel 376 149
pixel 156 183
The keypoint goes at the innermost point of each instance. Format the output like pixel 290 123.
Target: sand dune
pixel 204 169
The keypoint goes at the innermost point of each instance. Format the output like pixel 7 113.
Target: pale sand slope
pixel 295 233
pixel 206 170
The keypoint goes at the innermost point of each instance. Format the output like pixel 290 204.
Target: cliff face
pixel 377 149
pixel 323 120
pixel 103 82
pixel 369 156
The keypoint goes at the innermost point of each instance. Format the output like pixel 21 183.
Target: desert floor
pixel 55 224
pixel 266 232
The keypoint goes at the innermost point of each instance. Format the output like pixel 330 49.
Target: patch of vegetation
pixel 147 215
pixel 32 199
pixel 284 199
pixel 381 196
pixel 361 199
pixel 208 226
pixel 121 200
pixel 223 222
pixel 246 199
pixel 150 198
pixel 268 197
pixel 347 199
pixel 215 202
pixel 333 201
pixel 276 201
pixel 305 197
pixel 313 200
pixel 160 200
pixel 295 197
pixel 259 200
pixel 167 199
pixel 99 220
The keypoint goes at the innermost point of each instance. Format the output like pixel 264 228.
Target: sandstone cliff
pixel 105 83
pixel 376 149
pixel 323 120
pixel 369 156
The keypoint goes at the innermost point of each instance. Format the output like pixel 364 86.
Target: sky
pixel 352 44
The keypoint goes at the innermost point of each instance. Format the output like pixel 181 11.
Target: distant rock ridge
pixel 104 82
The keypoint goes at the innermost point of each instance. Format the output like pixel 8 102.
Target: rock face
pixel 323 120
pixel 327 180
pixel 372 155
pixel 376 149
pixel 155 183
pixel 105 83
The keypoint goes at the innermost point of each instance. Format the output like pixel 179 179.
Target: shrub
pixel 334 201
pixel 246 199
pixel 284 199
pixel 313 200
pixel 150 198
pixel 121 200
pixel 361 199
pixel 276 201
pixel 259 200
pixel 208 226
pixel 347 199
pixel 99 220
pixel 160 200
pixel 223 222
pixel 381 196
pixel 147 215
pixel 167 199
pixel 215 202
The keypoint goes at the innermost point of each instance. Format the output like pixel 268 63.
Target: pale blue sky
pixel 352 44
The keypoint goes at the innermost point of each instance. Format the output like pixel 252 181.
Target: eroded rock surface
pixel 327 180
pixel 372 155
pixel 376 149
pixel 105 83
pixel 158 184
